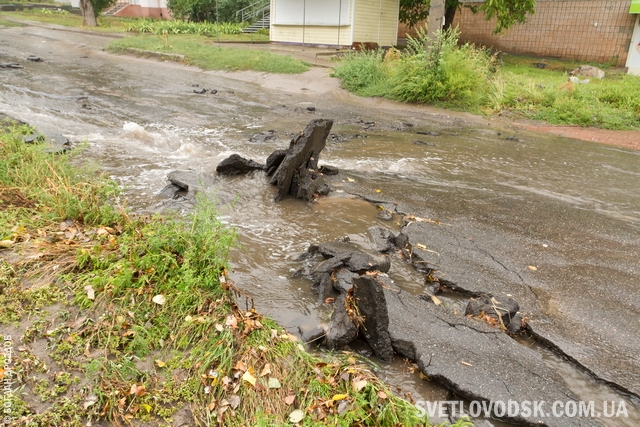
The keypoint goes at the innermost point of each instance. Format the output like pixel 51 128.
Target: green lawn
pixel 202 52
pixel 107 23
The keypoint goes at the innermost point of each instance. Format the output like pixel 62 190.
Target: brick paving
pixel 620 138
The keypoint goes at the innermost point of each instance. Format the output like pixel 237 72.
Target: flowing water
pixel 139 130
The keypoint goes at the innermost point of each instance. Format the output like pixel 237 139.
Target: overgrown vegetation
pixel 441 73
pixel 201 51
pixel 435 72
pixel 131 320
pixel 207 10
pixel 152 26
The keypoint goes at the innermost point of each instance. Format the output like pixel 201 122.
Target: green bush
pixel 363 73
pixel 152 26
pixel 428 71
pixel 206 10
pixel 442 73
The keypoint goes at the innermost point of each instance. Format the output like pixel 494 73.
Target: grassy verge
pixel 523 90
pixel 125 320
pixel 107 23
pixel 470 79
pixel 8 24
pixel 201 52
pixel 224 32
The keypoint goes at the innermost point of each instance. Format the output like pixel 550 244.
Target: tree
pixel 206 10
pixel 91 9
pixel 506 12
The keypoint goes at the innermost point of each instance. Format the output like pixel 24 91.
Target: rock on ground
pixel 297 173
pixel 236 165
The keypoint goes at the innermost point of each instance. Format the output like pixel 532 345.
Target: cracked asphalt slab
pixel 475 361
pixel 574 272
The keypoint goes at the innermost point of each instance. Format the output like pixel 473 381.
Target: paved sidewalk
pixel 620 138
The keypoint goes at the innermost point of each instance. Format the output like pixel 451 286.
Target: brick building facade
pixel 584 30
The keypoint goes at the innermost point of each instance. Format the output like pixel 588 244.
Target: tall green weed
pixel 435 71
pixel 49 185
pixel 440 72
pixel 364 73
pixel 153 26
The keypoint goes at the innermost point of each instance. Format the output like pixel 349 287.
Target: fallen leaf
pixel 296 416
pixel 159 299
pixel 146 407
pixel 274 383
pixel 532 268
pixel 102 231
pixel 378 191
pixel 138 390
pixel 290 399
pixel 91 400
pixel 266 370
pixel 339 397
pixel 436 300
pixel 234 401
pixel 231 321
pixel 381 394
pixel 342 406
pixel 359 385
pixel 240 366
pixel 91 294
pixel 6 243
pixel 160 363
pixel 219 327
pixel 249 378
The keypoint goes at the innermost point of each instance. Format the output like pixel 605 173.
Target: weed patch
pixel 467 78
pixel 133 321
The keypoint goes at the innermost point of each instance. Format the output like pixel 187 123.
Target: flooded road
pixel 511 201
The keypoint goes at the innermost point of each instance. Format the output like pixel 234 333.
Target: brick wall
pixel 586 30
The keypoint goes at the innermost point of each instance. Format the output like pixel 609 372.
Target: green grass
pixel 545 94
pixel 223 32
pixel 467 79
pixel 137 319
pixel 106 23
pixel 201 52
pixel 8 24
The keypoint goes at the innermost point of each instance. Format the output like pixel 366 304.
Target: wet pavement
pixel 553 221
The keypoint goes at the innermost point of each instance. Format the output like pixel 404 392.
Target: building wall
pixel 376 21
pixel 372 21
pixel 137 11
pixel 586 30
pixel 312 34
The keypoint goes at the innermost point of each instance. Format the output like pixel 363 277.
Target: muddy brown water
pixel 142 121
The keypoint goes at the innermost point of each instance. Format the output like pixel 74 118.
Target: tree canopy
pixel 206 10
pixel 506 12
